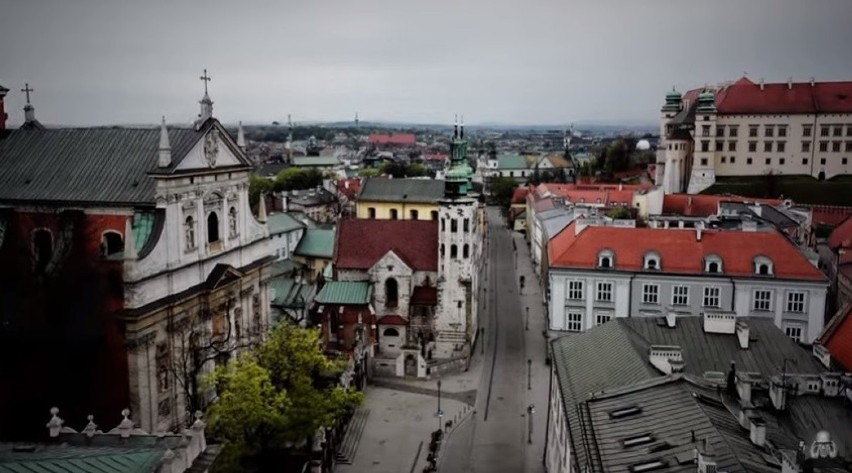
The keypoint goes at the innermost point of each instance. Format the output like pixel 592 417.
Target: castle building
pixel 752 129
pixel 131 265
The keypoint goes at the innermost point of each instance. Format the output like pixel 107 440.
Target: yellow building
pixel 399 199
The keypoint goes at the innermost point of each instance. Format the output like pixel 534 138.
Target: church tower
pixel 668 156
pixel 703 172
pixel 460 252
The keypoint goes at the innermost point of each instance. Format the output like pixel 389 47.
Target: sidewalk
pixel 536 345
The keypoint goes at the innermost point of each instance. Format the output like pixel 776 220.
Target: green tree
pixel 282 393
pixel 417 169
pixel 369 172
pixel 258 185
pixel 619 213
pixel 502 189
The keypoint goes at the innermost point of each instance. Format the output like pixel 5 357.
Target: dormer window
pixel 763 266
pixel 652 262
pixel 606 259
pixel 713 264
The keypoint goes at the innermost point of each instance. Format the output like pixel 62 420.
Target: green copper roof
pixel 282 223
pixel 511 161
pixel 317 243
pixel 345 292
pixel 288 293
pixel 87 461
pixel 315 161
pixel 143 224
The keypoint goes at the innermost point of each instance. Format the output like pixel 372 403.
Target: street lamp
pixel 530 412
pixel 528 318
pixel 440 413
pixel 529 374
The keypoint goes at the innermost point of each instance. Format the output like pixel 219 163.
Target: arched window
pixel 390 332
pixel 454 251
pixel 391 292
pixel 394 214
pixel 189 233
pixel 454 225
pixel 606 259
pixel 652 261
pixel 112 243
pixel 232 222
pixel 713 264
pixel 465 251
pixel 763 266
pixel 414 214
pixel 42 249
pixel 434 215
pixel 212 228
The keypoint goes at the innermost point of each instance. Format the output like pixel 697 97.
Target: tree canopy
pixel 502 189
pixel 278 395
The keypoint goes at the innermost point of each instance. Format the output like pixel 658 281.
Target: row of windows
pixel 413 214
pixel 212 228
pixel 454 225
pixel 712 263
pixel 454 251
pixel 768 161
pixel 761 300
pixel 770 130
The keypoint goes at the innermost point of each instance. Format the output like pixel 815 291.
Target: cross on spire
pixel 206 79
pixel 27 89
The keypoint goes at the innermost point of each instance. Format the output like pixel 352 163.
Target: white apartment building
pixel 598 273
pixel 751 129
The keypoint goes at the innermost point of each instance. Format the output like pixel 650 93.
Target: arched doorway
pixel 212 228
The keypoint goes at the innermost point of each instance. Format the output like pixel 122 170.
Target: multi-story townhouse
pixel 598 273
pixel 751 129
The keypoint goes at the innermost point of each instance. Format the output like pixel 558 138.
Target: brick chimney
pixel 3 115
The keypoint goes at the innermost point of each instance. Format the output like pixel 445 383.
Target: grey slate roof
pixel 422 191
pixel 103 165
pixel 282 222
pixel 615 354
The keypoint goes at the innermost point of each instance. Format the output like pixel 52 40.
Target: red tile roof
pixel 692 205
pixel 361 243
pixel 745 96
pixel 837 337
pixel 391 320
pixel 392 139
pixel 520 195
pixel 436 157
pixel 349 187
pixel 680 251
pixel 831 215
pixel 841 237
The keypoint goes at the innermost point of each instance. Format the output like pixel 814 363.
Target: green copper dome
pixel 706 102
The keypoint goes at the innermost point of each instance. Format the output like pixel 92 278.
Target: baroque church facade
pixel 139 268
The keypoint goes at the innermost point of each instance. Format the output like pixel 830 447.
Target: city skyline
pixel 498 62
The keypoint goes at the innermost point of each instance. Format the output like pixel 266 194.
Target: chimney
pixel 743 381
pixel 717 322
pixel 3 115
pixel 668 359
pixel 789 83
pixel 698 231
pixel 813 81
pixel 742 334
pixel 165 149
pixel 757 431
pixel 671 319
pixel 761 83
pixel 778 392
pixel 821 353
pixel 706 457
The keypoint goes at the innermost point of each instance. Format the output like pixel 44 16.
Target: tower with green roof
pixel 459 254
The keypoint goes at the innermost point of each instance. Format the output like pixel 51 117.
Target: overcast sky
pixel 520 61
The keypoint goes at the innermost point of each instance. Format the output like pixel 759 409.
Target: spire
pixel 261 209
pixel 456 126
pixel 29 110
pixel 165 148
pixel 241 137
pixel 461 128
pixel 206 103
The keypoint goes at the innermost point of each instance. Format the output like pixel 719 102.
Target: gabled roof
pixel 511 161
pixel 519 195
pixel 841 236
pixel 345 293
pixel 101 165
pixel 746 97
pixel 349 187
pixel 282 223
pixel 421 191
pixel 316 243
pixel 680 250
pixel 361 243
pixel 837 336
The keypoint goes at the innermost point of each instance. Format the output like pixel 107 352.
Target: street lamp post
pixel 530 412
pixel 482 340
pixel 529 374
pixel 440 413
pixel 528 318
